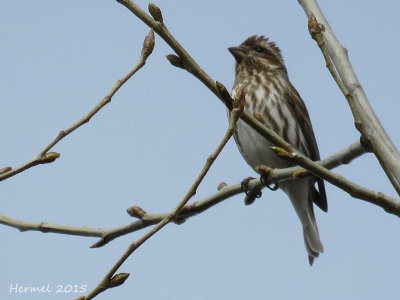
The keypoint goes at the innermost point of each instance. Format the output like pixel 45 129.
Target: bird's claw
pixel 251 194
pixel 272 186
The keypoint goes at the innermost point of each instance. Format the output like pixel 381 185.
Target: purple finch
pixel 262 78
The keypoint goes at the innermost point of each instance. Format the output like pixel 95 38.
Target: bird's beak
pixel 238 53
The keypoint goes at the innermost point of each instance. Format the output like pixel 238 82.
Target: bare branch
pixel 188 63
pixel 106 282
pixel 43 156
pixel 147 219
pixel 365 118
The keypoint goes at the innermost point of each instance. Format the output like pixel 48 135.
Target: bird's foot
pixel 272 186
pixel 251 194
pixel 264 172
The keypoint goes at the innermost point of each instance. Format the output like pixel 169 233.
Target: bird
pixel 262 79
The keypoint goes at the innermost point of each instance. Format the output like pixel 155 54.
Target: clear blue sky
pixel 59 58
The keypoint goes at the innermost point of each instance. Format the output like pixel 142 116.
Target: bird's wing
pixel 299 112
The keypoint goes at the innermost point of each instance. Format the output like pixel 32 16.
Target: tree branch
pixel 344 156
pixel 107 281
pixel 185 61
pixel 365 118
pixel 44 156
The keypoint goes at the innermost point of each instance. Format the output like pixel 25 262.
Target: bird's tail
pixel 300 196
pixel 311 236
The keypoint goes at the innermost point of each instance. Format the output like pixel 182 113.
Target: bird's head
pixel 257 54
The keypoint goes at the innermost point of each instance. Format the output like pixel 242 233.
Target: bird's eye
pixel 260 49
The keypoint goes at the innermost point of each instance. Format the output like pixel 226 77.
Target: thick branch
pixel 366 120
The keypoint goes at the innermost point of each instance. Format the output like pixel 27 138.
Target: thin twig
pixel 106 234
pixel 105 283
pixel 42 156
pixel 160 28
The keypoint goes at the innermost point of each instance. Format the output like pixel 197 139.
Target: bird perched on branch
pixel 262 79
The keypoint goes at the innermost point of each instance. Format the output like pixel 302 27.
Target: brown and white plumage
pixel 262 76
